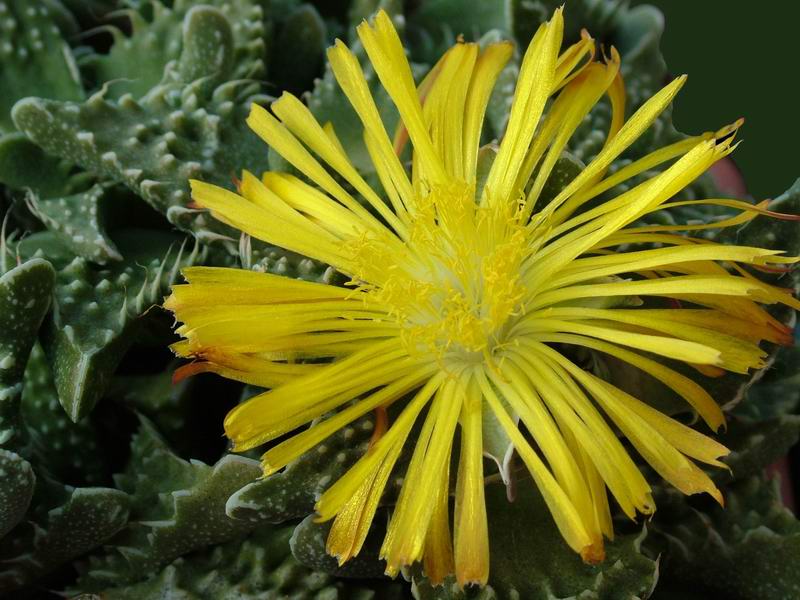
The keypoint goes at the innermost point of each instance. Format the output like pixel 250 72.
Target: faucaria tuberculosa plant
pixel 489 320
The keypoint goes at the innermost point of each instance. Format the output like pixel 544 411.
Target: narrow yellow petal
pixel 523 399
pixel 692 392
pixel 662 345
pixel 564 514
pixel 671 287
pixel 438 559
pixel 652 445
pixel 534 86
pixel 284 143
pixel 471 528
pixel 248 217
pixel 630 132
pixel 595 267
pixel 570 59
pixel 646 163
pixel 352 523
pixel 351 79
pixel 578 97
pixel 444 109
pixel 568 401
pixel 298 118
pixel 337 495
pixel 385 51
pixel 488 68
pixel 409 527
pixel 685 439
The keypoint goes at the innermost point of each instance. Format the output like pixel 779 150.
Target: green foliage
pixel 95 309
pixel 176 507
pixel 189 126
pixel 18 483
pixel 298 49
pixel 755 444
pixel 779 234
pixel 258 567
pixel 747 550
pixel 293 492
pixel 161 38
pixel 80 218
pixel 70 452
pixel 80 520
pixel 35 60
pixel 308 547
pixel 24 299
pixel 24 165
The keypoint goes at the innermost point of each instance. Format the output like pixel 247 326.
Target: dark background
pixel 742 61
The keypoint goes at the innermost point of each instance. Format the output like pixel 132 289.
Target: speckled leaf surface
pixel 31 41
pixel 177 507
pixel 25 293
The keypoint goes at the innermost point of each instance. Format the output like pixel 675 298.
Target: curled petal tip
pixel 186 371
pixel 593 554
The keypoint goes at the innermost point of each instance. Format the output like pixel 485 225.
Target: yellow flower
pixel 466 296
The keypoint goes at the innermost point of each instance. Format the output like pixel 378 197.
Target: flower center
pixel 456 284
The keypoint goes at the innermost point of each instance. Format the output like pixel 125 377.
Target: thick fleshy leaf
pixel 96 310
pixel 293 492
pixel 73 453
pixel 755 445
pixel 25 293
pixel 749 550
pixel 156 40
pixel 308 547
pixel 192 125
pixel 32 43
pixel 298 49
pixel 81 520
pixel 17 481
pixel 25 166
pixel 259 567
pixel 81 219
pixel 177 507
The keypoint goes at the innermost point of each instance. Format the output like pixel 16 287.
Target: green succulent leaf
pixel 83 519
pixel 25 166
pixel 749 550
pixel 298 49
pixel 778 391
pixel 181 130
pixel 31 42
pixel 181 30
pixel 308 547
pixel 755 445
pixel 72 453
pixel 259 567
pixel 25 293
pixel 96 310
pixel 17 482
pixel 435 25
pixel 177 507
pixel 293 492
pixel 80 218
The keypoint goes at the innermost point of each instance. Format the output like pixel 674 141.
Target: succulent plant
pixel 115 481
